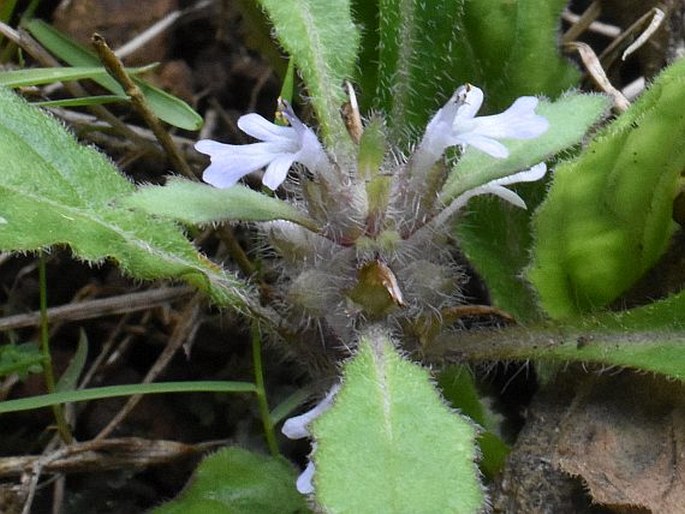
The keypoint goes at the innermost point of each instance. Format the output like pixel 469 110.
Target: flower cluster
pixel 372 257
pixel 455 124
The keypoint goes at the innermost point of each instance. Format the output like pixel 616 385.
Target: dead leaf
pixel 118 21
pixel 625 437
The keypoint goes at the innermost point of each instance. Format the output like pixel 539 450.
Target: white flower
pixel 456 124
pixel 298 428
pixel 279 148
pixel 496 187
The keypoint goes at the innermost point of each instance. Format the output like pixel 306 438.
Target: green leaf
pixel 99 393
pixel 322 40
pixel 167 107
pixel 194 203
pixel 69 379
pixel 515 48
pixel 420 44
pixel 649 338
pixel 54 191
pixel 607 218
pixel 458 386
pixel 390 444
pixel 494 235
pixel 36 76
pixel 427 49
pixel 81 101
pixel 365 14
pixel 6 10
pixel 237 481
pixel 20 358
pixel 289 404
pixel 288 87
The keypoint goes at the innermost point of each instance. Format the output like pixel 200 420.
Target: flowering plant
pixel 400 235
pixel 377 213
pixel 361 236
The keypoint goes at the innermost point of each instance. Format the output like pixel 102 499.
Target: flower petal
pixel 277 171
pixel 519 121
pixel 472 100
pixel 530 175
pixel 304 481
pixel 484 144
pixel 258 127
pixel 217 176
pixel 297 427
pixel 278 148
pixel 496 187
pixel 438 135
pixel 226 173
pixel 214 148
pixel 504 193
pixel 311 153
pixel 456 124
pixel 229 163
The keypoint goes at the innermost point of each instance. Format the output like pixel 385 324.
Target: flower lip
pixel 456 124
pixel 304 483
pixel 278 148
pixel 298 427
pixel 468 100
pixel 496 187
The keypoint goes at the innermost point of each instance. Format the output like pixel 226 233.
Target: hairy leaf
pixel 495 235
pixel 391 440
pixel 607 218
pixel 194 203
pixel 427 49
pixel 515 47
pixel 649 338
pixel 322 41
pixel 366 14
pixel 240 482
pixel 54 191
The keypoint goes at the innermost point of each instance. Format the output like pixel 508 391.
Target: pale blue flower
pixel 496 187
pixel 304 483
pixel 279 148
pixel 456 124
pixel 298 427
